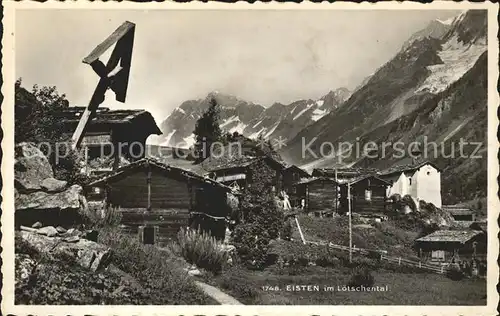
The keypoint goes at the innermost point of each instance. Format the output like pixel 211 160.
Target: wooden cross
pixel 112 76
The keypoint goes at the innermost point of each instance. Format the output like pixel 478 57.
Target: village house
pixel 343 174
pixel 155 200
pixel 367 194
pixel 241 172
pixel 421 181
pixel 460 213
pixel 291 175
pixel 112 133
pixel 451 245
pixel 320 195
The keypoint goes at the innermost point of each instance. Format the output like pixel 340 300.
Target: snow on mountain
pixel 189 141
pixel 168 138
pixel 230 120
pixel 435 87
pixel 457 58
pixel 308 106
pixel 249 119
pixel 317 114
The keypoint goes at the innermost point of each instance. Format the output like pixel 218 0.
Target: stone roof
pixel 174 171
pixel 460 236
pixel 455 210
pixel 72 115
pixel 314 179
pixel 407 168
pixel 237 161
pixel 344 172
pixel 355 180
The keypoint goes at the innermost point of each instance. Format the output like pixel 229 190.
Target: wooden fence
pixel 441 269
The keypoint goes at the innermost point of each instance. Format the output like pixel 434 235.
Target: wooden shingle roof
pixel 460 236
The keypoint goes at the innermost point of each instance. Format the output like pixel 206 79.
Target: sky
pixel 259 56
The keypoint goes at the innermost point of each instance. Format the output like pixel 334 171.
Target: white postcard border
pixel 7 219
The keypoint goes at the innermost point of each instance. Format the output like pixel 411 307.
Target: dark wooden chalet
pixel 452 245
pixel 460 213
pixel 112 132
pixel 343 174
pixel 241 172
pixel 291 176
pixel 162 198
pixel 368 195
pixel 319 195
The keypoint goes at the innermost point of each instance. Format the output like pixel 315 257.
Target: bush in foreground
pixel 361 276
pixel 41 280
pixel 158 271
pixel 202 250
pixel 455 274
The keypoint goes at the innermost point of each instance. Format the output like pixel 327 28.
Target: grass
pixel 270 287
pixel 138 275
pixel 383 236
pixel 160 272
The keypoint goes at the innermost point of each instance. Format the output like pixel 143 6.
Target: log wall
pixel 321 196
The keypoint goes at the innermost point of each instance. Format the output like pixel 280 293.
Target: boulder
pixel 40 200
pixel 48 231
pixel 37 225
pixel 61 230
pixel 86 253
pixel 53 185
pixel 31 167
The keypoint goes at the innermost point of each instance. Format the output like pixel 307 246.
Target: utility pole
pixel 350 220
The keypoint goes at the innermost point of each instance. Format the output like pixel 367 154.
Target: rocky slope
pixel 249 119
pixel 435 89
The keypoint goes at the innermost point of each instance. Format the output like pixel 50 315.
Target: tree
pixel 207 130
pixel 260 219
pixel 35 114
pixel 36 121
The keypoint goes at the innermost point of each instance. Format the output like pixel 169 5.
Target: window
pixel 428 173
pixel 437 254
pixel 409 179
pixel 97 190
pixel 368 195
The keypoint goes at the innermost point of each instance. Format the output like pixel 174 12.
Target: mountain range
pixel 433 90
pixel 247 118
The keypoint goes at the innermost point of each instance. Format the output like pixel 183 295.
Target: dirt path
pixel 217 294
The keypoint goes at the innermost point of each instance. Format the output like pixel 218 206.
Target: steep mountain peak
pixel 435 29
pixel 470 27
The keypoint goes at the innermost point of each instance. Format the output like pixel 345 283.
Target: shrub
pixel 407 200
pixel 202 250
pixel 455 273
pixel 95 219
pixel 361 276
pixel 286 231
pixel 158 271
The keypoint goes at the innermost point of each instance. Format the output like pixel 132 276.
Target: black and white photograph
pixel 329 156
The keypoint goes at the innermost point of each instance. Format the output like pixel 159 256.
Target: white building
pixel 422 181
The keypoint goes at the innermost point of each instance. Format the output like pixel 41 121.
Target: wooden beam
pixel 149 187
pixel 120 32
pixel 110 76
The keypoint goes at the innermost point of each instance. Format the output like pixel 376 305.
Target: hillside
pixel 434 89
pixel 249 119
